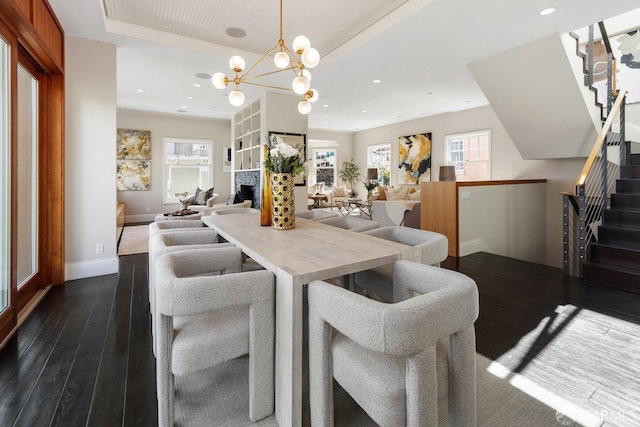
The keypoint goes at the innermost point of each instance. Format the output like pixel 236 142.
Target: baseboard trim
pixel 473 246
pixel 80 270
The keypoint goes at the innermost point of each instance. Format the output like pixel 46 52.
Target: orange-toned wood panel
pixel 439 211
pixel 55 175
pixel 25 6
pixel 47 27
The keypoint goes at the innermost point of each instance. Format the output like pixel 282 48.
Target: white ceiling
pixel 419 49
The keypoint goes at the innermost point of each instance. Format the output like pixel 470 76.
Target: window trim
pixel 166 140
pixel 464 136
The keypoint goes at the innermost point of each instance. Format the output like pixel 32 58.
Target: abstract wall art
pixel 133 144
pixel 414 158
pixel 626 47
pixel 133 175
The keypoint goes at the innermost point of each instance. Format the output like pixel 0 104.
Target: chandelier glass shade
pixel 298 60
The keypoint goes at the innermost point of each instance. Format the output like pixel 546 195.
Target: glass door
pixel 5 173
pixel 27 195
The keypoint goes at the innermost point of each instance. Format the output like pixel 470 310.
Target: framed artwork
pixel 133 175
pixel 298 141
pixel 625 47
pixel 133 144
pixel 226 159
pixel 414 158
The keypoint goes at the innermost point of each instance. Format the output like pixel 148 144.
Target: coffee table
pixel 346 207
pixel 181 214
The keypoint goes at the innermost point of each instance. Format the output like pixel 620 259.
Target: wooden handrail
pixel 601 137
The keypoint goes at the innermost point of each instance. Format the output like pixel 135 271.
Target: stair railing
pixel 583 209
pixel 599 65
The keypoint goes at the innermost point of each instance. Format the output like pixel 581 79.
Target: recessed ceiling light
pixel 326 123
pixel 377 81
pixel 203 76
pixel 364 111
pixel 343 117
pixel 325 105
pixel 189 97
pixel 184 106
pixel 235 32
pixel 197 85
pixel 547 11
pixel 140 90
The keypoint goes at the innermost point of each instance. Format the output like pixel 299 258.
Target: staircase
pixel 614 260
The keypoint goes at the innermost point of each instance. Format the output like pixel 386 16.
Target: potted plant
pixel 350 173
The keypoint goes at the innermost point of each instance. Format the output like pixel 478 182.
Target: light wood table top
pixel 311 251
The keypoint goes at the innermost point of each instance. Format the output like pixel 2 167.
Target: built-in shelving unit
pixel 246 137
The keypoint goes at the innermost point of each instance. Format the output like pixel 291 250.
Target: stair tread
pixel 622 227
pixel 616 246
pixel 614 267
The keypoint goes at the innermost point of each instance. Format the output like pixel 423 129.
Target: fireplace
pixel 248 186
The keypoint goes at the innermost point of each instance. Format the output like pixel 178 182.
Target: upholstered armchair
pixel 378 281
pixel 399 360
pixel 175 225
pixel 199 200
pixel 352 223
pixel 174 241
pixel 210 314
pixel 316 214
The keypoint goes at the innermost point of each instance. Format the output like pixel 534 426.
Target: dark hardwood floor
pixel 84 356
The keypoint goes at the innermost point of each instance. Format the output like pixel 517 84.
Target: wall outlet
pixel 466 195
pixel 147 209
pixel 99 249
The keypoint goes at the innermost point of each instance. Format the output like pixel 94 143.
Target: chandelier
pixel 298 60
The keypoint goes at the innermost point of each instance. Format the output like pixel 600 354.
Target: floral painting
pixel 133 144
pixel 414 158
pixel 133 175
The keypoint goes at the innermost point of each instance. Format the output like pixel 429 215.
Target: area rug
pixel 220 396
pixel 134 240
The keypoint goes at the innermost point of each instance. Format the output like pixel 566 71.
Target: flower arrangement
pixel 283 158
pixel 370 185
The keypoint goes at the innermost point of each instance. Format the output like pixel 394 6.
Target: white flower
pixel 286 150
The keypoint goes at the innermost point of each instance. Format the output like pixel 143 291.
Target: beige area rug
pixel 220 396
pixel 134 240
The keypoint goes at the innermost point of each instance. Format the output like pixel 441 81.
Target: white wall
pixel 504 220
pixel 506 162
pixel 90 168
pixel 166 125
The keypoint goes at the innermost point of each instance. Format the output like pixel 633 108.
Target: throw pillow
pixel 234 198
pixel 397 195
pixel 381 193
pixel 340 191
pixel 415 196
pixel 198 197
pixel 201 196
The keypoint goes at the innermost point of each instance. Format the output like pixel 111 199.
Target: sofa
pixel 335 193
pixel 200 200
pixel 397 206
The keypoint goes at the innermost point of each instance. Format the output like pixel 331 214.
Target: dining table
pixel 310 251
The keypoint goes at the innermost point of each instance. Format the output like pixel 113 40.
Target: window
pixel 379 157
pixel 324 164
pixel 188 165
pixel 469 153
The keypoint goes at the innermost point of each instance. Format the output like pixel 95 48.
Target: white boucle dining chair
pixel 175 225
pixel 209 314
pixel 397 361
pixel 351 223
pixel 377 282
pixel 174 241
